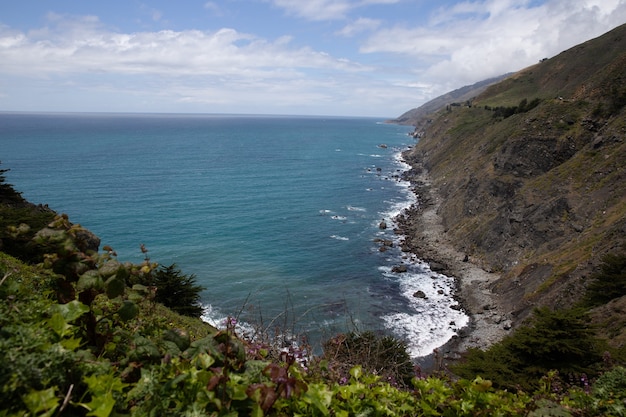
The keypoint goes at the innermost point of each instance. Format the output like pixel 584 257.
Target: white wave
pixel 220 321
pixel 325 212
pixel 339 217
pixel 432 322
pixel 352 208
pixel 340 237
pixel 429 321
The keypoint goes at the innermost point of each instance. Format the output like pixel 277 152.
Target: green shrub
pixel 559 339
pixel 385 356
pixel 176 290
pixel 609 282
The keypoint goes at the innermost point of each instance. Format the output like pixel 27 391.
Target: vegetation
pixel 385 356
pixel 609 283
pixel 7 192
pixel 502 112
pixel 176 290
pixel 559 340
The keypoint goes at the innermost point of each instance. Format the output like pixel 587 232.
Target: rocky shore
pixel 425 236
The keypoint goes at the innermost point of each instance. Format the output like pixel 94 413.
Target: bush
pixel 559 340
pixel 609 283
pixel 176 290
pixel 385 356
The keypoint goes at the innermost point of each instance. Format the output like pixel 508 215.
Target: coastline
pixel 425 237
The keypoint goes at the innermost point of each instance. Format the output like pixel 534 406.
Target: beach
pixel 426 238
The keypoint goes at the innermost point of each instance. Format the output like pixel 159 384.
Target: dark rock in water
pixel 456 307
pixel 382 225
pixel 419 294
pixel 399 268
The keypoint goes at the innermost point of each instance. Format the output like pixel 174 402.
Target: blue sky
pixel 308 57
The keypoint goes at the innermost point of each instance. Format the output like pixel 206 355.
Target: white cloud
pixel 475 40
pixel 325 9
pixel 316 9
pixel 359 26
pixel 81 46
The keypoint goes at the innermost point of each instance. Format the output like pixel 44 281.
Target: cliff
pixel 530 174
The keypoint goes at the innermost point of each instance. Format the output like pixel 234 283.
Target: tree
pixel 554 340
pixel 609 282
pixel 7 192
pixel 177 291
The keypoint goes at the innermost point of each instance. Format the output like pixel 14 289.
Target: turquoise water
pixel 276 216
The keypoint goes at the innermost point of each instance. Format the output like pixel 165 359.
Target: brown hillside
pixel 538 194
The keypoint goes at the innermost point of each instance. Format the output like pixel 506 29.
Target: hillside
pixel 414 116
pixel 531 177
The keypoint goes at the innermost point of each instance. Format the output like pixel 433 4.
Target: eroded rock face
pixel 531 156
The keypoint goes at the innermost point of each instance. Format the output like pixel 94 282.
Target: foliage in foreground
pixel 77 339
pixel 554 340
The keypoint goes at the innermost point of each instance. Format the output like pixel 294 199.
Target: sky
pixel 371 58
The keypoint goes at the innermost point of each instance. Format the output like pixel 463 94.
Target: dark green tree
pixel 7 192
pixel 609 282
pixel 554 340
pixel 177 291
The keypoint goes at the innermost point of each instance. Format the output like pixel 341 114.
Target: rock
pixel 437 267
pixel 382 225
pixel 456 307
pixel 87 241
pixel 399 268
pixel 507 325
pixel 419 294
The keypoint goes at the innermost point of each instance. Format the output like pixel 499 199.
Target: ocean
pixel 278 217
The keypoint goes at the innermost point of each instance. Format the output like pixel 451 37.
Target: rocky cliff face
pixel 537 193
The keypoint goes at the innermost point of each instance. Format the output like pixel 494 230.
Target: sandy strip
pixel 427 239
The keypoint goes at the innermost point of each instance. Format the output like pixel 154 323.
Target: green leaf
pixel 100 405
pixel 72 310
pixel 356 372
pixel 320 397
pixel 138 292
pixel 41 401
pixel 115 287
pixel 203 360
pixel 128 310
pixel 144 348
pixel 90 279
pixel 58 324
pixel 71 344
pixel 110 268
